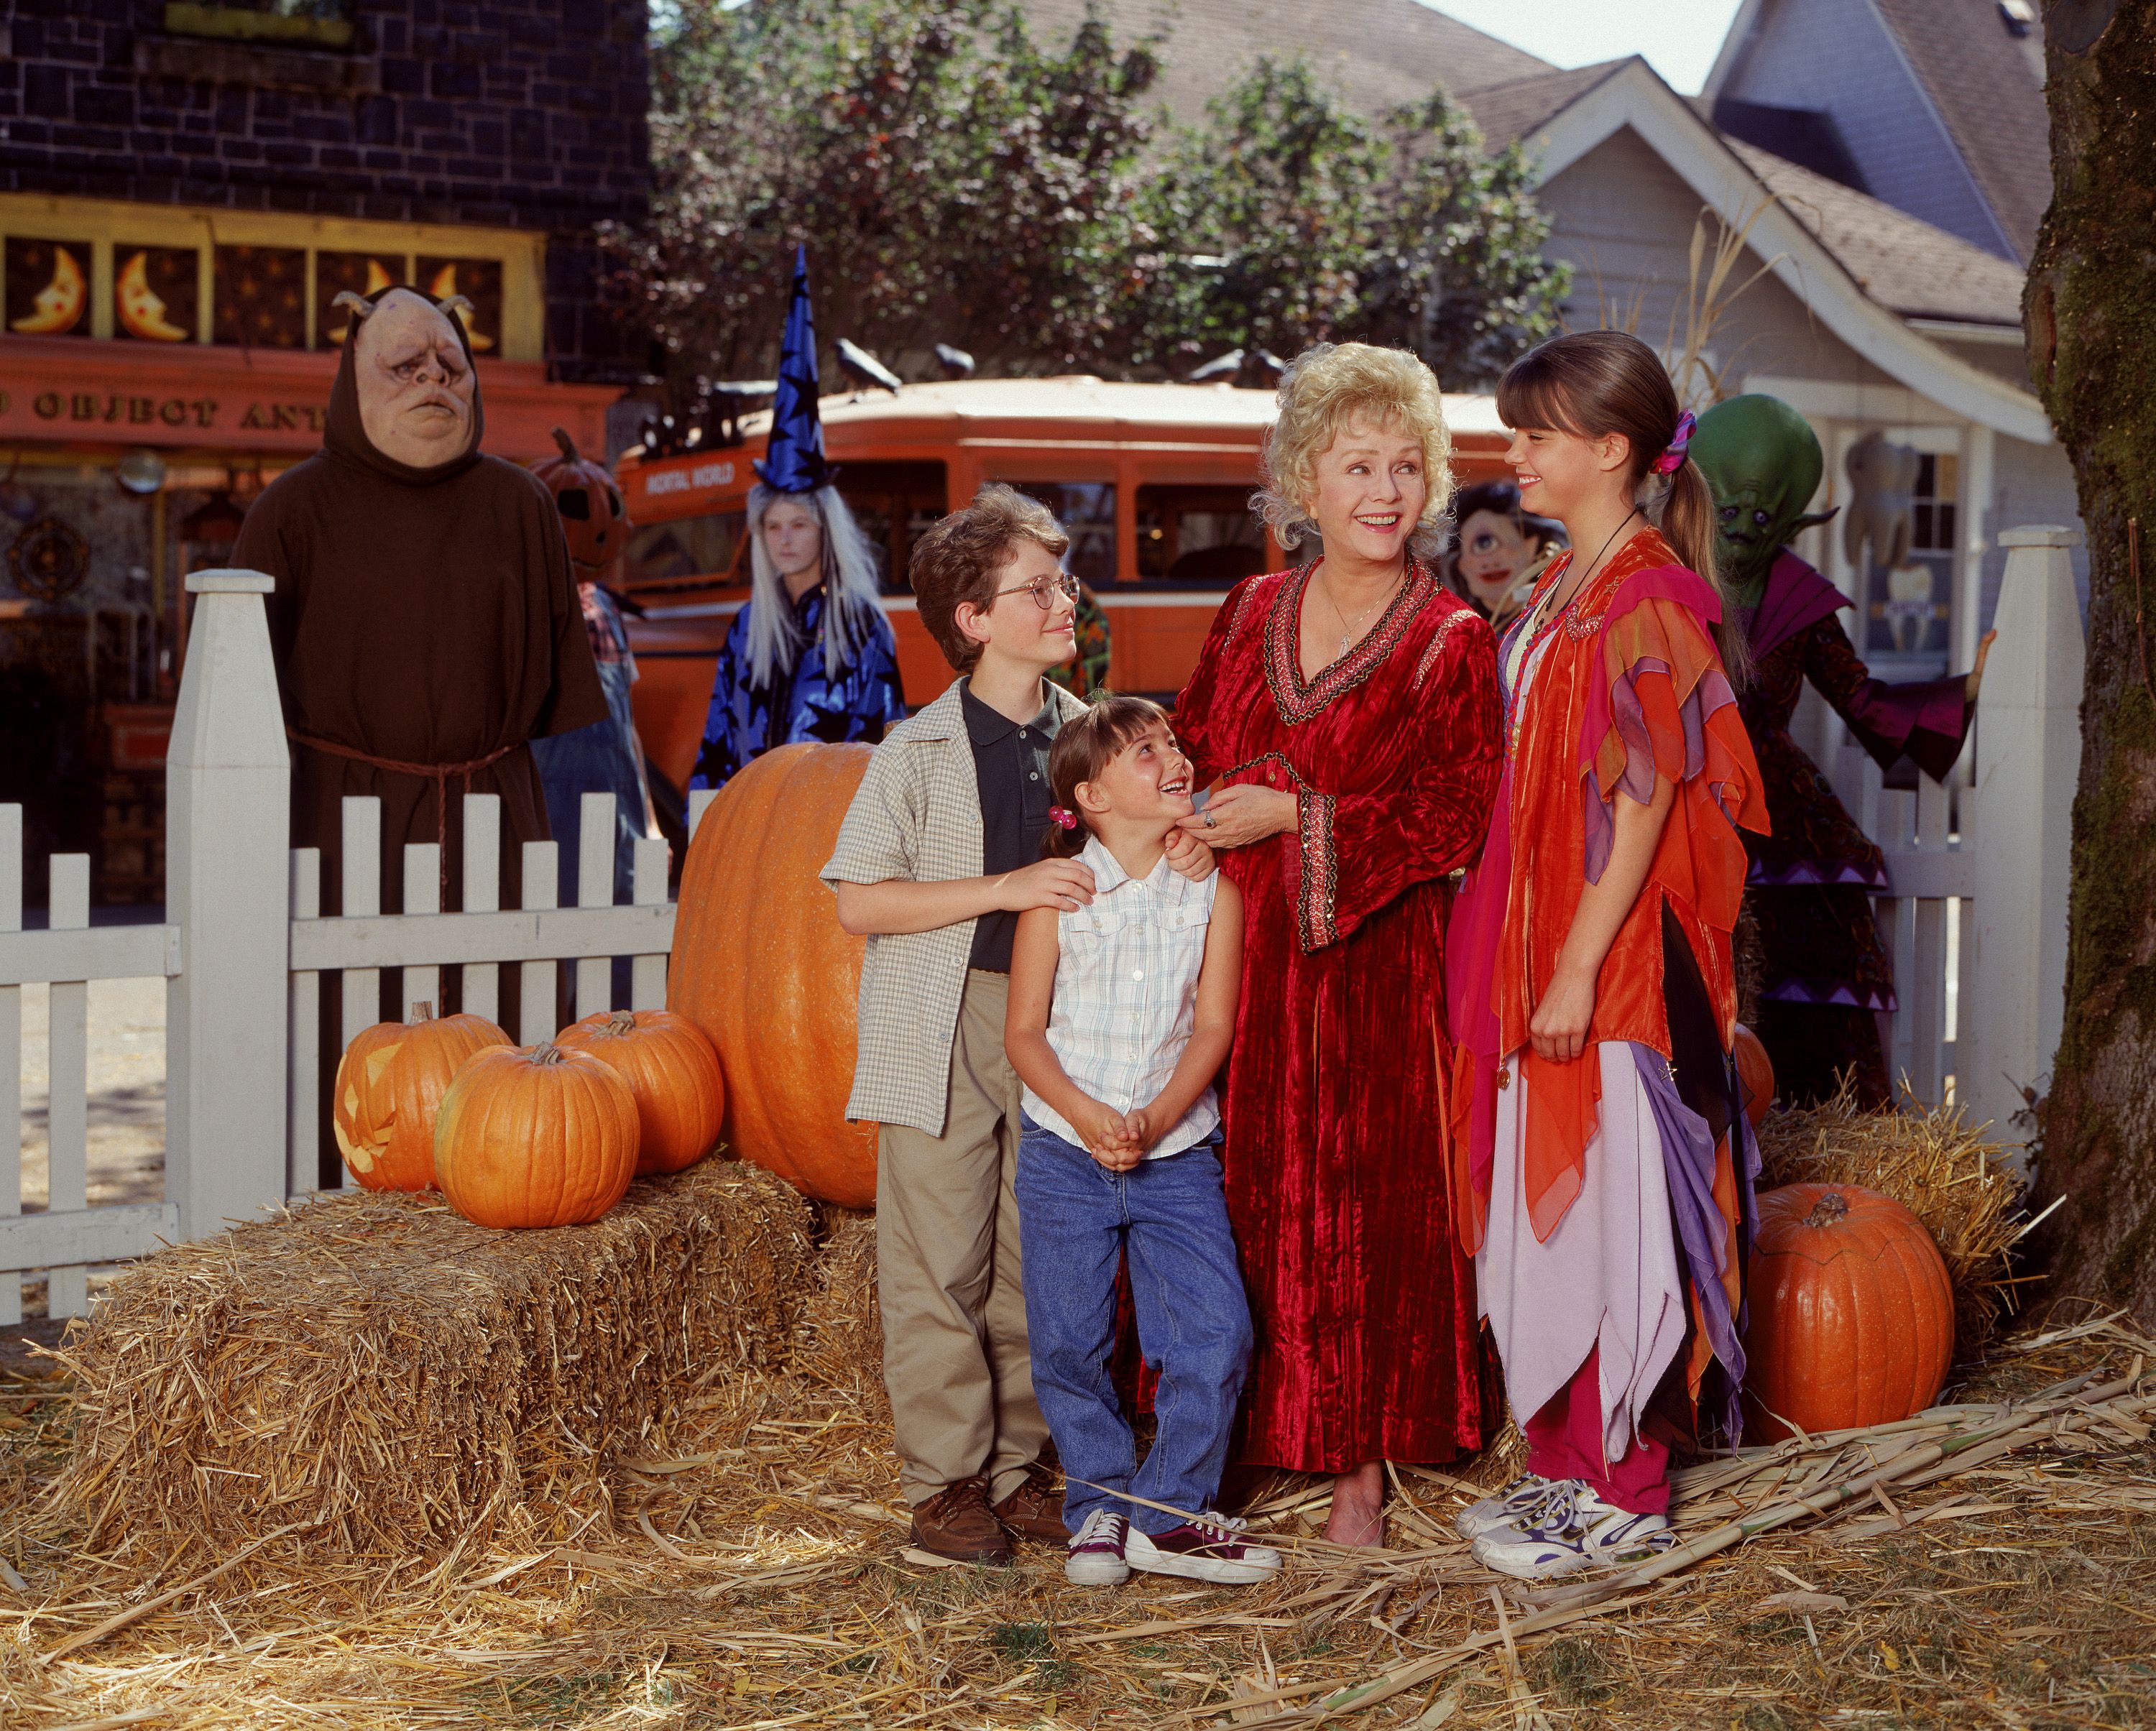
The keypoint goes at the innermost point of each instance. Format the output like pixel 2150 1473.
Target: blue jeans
pixel 1074 1216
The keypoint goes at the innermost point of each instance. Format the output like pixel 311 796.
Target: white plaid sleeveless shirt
pixel 1126 993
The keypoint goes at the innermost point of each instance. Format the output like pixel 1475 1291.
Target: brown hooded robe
pixel 424 615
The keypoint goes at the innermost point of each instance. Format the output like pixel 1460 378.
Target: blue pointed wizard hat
pixel 793 460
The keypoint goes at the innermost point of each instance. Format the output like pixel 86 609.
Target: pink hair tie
pixel 1062 819
pixel 1672 459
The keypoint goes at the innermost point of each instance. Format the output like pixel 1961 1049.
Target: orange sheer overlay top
pixel 1629 690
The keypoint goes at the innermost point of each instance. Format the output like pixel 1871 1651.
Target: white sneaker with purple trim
pixel 1574 1529
pixel 1211 1548
pixel 1519 1499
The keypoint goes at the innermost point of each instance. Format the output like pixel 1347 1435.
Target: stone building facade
pixel 504 114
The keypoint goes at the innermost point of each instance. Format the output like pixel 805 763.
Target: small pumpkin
pixel 762 966
pixel 594 519
pixel 389 1086
pixel 1755 1073
pixel 1851 1316
pixel 534 1136
pixel 672 1070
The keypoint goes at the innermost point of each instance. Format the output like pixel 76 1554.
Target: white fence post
pixel 2027 758
pixel 227 781
pixel 67 1074
pixel 11 1054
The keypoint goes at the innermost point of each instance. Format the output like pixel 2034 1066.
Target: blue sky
pixel 1680 37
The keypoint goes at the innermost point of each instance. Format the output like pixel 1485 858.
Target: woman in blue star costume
pixel 811 655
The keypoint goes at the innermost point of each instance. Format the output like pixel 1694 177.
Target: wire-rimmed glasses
pixel 1044 590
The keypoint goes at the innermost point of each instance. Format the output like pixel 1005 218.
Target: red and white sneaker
pixel 1096 1557
pixel 1206 1549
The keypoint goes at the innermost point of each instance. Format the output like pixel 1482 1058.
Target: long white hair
pixel 851 612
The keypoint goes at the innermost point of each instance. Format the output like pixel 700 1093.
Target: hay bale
pixel 839 1342
pixel 1936 1166
pixel 400 1381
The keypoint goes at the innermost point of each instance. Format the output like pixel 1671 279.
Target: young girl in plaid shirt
pixel 1121 1013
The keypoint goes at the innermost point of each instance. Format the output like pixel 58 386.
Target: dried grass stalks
pixel 840 1340
pixel 392 1379
pixel 1934 1164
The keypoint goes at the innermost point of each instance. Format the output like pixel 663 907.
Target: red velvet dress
pixel 1367 1341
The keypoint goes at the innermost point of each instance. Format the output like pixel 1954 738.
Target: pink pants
pixel 1564 1440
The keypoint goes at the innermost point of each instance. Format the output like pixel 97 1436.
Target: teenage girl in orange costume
pixel 1599 1147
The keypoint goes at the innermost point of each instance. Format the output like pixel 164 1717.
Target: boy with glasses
pixel 939 854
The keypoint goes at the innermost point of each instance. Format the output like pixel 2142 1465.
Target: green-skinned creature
pixel 1763 463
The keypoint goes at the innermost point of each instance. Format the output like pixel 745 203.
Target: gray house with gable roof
pixel 1887 161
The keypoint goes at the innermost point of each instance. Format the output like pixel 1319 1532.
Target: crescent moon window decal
pixel 48 287
pixel 155 294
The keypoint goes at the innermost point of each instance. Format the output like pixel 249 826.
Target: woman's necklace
pixel 1349 632
pixel 1543 616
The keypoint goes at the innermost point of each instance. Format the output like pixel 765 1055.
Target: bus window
pixel 1086 509
pixel 689 547
pixel 894 504
pixel 1198 534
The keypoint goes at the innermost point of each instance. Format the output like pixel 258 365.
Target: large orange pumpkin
pixel 1755 1071
pixel 762 966
pixel 670 1067
pixel 389 1086
pixel 534 1136
pixel 1851 1314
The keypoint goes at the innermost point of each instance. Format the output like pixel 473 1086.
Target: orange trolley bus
pixel 1152 480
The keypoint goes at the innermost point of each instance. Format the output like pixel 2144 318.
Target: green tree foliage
pixel 1298 221
pixel 955 180
pixel 1457 274
pixel 1267 214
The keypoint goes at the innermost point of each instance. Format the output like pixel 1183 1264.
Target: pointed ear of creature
pixel 1813 519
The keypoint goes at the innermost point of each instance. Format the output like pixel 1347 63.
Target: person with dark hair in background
pixel 1498 549
pixel 606 757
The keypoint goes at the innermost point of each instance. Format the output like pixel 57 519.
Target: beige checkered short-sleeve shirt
pixel 917 815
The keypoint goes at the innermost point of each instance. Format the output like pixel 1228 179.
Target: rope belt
pixel 439 773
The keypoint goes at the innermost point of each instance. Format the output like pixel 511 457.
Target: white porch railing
pixel 248 939
pixel 1988 899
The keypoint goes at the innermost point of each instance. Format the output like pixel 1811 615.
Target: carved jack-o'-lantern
pixel 592 514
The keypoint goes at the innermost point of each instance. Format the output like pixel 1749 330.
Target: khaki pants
pixel 955 1356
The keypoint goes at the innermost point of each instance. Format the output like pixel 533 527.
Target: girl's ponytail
pixel 1688 525
pixel 1065 838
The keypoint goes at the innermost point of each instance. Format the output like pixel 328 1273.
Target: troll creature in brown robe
pixel 425 621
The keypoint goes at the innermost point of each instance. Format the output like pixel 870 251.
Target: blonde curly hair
pixel 1326 390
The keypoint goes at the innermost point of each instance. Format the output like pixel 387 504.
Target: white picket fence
pixel 247 939
pixel 246 944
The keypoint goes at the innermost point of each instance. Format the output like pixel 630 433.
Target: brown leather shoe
pixel 956 1522
pixel 1034 1509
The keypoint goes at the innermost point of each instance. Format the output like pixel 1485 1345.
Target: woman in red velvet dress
pixel 1350 708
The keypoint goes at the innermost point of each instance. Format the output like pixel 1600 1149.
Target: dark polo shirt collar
pixel 1010 766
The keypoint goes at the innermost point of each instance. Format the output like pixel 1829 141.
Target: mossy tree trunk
pixel 2091 323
